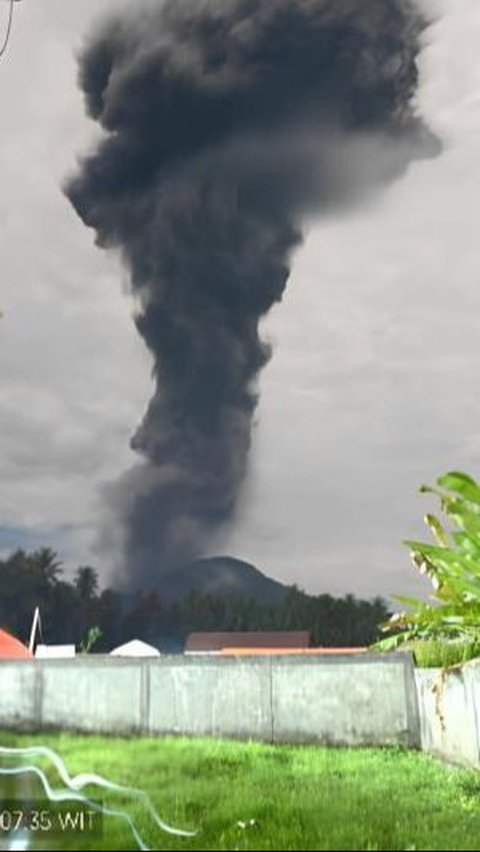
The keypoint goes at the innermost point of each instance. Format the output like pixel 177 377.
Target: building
pixel 135 648
pixel 220 642
pixel 261 643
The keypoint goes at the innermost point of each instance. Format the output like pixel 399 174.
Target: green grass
pixel 296 797
pixel 438 653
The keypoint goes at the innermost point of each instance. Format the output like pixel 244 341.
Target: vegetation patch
pixel 251 796
pixel 452 564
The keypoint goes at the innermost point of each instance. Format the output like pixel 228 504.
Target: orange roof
pixel 319 652
pixel 11 648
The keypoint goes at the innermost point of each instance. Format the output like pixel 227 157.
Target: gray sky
pixel 372 389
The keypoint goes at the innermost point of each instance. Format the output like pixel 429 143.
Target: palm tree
pixel 47 565
pixel 86 582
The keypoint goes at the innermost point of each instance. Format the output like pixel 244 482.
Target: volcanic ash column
pixel 226 123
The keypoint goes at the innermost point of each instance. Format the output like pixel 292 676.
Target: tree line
pixel 70 609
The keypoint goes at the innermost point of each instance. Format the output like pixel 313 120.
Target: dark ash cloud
pixel 227 122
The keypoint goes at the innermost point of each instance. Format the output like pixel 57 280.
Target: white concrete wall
pixel 369 699
pixel 449 710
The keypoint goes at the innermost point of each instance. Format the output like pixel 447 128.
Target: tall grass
pixel 251 796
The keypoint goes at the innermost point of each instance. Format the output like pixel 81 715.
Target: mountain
pixel 221 576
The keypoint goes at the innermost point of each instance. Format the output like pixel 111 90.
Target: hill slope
pixel 221 576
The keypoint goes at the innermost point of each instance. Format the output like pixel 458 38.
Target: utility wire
pixel 8 30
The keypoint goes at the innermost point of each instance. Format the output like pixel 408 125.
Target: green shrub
pixel 442 653
pixel 93 635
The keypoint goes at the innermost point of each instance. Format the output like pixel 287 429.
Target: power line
pixel 8 30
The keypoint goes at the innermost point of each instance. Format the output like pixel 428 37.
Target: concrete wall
pixel 367 700
pixel 364 700
pixel 449 710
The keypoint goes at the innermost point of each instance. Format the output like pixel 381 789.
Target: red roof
pixel 11 648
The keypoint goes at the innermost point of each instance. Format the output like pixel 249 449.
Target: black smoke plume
pixel 226 123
